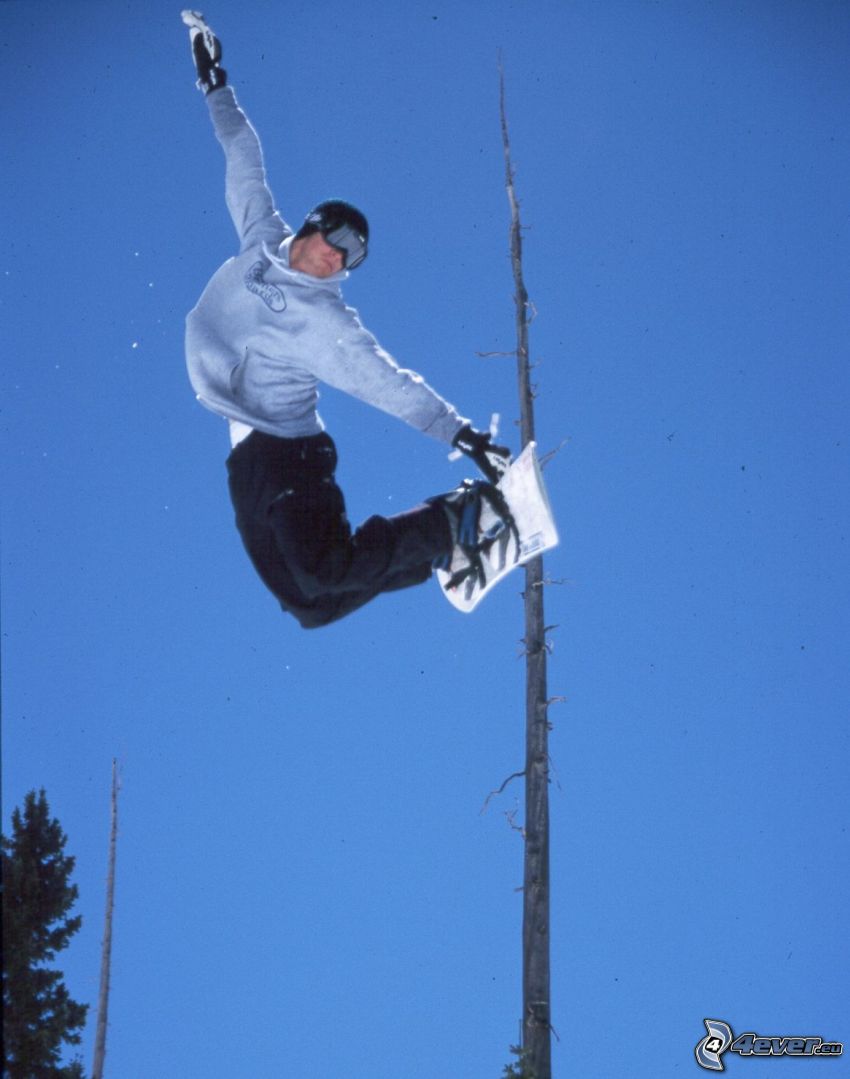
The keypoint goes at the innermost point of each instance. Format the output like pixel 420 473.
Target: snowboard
pixel 524 492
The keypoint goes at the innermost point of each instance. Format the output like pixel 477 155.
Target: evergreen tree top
pixel 38 1013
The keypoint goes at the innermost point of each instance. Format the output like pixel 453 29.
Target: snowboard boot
pixel 477 514
pixel 206 52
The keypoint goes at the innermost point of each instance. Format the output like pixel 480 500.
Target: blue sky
pixel 306 883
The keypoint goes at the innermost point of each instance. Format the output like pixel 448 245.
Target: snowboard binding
pixel 480 519
pixel 512 522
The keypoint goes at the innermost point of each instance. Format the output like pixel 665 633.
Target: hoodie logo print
pixel 271 295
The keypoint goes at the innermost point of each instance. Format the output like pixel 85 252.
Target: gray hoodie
pixel 262 335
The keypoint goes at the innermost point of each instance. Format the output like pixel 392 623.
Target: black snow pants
pixel 291 516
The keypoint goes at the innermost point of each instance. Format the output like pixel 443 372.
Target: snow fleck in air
pixel 135 344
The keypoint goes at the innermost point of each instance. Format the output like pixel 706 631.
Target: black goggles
pixel 349 243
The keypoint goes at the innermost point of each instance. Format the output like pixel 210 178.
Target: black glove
pixel 492 460
pixel 206 52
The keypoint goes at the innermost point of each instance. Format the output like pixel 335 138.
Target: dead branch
pixel 547 457
pixel 499 790
pixel 552 768
pixel 510 817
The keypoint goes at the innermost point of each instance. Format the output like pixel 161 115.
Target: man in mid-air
pixel 270 325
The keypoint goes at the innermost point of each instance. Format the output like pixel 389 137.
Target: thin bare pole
pixel 106 949
pixel 536 1020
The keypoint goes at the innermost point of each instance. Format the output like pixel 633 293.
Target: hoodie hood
pixel 279 258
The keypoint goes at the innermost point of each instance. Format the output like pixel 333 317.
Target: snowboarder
pixel 270 325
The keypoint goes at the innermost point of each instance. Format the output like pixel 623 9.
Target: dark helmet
pixel 343 226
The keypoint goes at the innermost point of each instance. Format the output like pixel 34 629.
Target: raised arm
pixel 247 193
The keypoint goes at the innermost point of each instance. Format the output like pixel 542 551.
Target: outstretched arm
pixel 350 359
pixel 247 193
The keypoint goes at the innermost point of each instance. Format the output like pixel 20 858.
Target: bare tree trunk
pixel 536 1021
pixel 106 950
